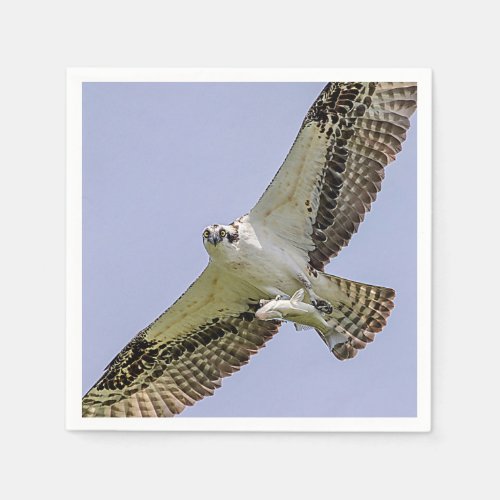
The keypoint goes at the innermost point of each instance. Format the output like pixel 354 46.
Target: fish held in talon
pixel 294 309
pixel 305 316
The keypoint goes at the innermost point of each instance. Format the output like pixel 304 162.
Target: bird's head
pixel 218 236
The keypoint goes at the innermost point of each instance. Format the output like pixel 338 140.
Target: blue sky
pixel 161 162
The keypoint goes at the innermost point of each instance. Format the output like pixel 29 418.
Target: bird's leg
pixel 321 305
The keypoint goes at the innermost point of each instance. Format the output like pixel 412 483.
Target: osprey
pixel 308 213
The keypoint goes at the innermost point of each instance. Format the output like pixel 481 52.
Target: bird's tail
pixel 360 311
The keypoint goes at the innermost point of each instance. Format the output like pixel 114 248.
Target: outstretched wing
pixel 335 168
pixel 209 333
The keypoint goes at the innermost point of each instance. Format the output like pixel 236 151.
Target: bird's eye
pixel 222 233
pixel 206 233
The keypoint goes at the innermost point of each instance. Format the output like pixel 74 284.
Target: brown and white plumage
pixel 209 333
pixel 308 213
pixel 336 166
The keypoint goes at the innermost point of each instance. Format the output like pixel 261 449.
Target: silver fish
pixel 305 316
pixel 293 309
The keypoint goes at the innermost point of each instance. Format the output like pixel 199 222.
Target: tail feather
pixel 360 312
pixel 344 351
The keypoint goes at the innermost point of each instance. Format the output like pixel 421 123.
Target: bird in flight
pixel 309 212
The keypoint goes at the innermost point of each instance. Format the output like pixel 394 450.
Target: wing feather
pixel 335 168
pixel 209 333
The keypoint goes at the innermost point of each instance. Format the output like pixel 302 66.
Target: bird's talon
pixel 323 306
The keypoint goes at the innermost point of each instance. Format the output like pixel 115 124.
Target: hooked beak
pixel 214 238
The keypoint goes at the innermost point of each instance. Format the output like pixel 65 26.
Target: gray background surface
pixel 40 39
